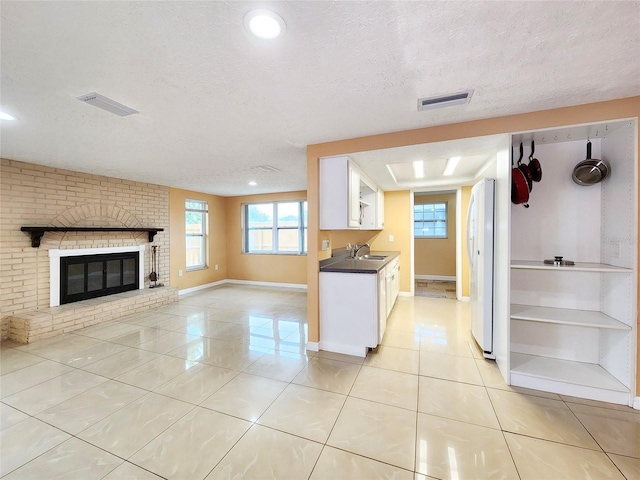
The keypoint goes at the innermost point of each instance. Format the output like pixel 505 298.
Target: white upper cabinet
pixel 348 199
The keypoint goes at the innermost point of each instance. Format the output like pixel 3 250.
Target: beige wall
pixel 594 112
pixel 216 240
pixel 37 195
pixel 397 222
pixel 465 193
pixel 437 256
pixel 259 267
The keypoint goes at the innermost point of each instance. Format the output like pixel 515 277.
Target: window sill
pixel 195 269
pixel 292 254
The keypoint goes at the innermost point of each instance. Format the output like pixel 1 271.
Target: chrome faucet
pixel 357 248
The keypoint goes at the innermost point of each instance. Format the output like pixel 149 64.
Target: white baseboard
pixel 201 287
pixel 436 277
pixel 300 286
pixel 344 349
pixel 464 299
pixel 312 346
pixel 242 282
pixel 404 294
pixel 636 403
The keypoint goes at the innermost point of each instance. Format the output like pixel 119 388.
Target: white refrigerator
pixel 480 229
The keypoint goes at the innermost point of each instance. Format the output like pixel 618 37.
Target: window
pixel 275 227
pixel 430 220
pixel 196 231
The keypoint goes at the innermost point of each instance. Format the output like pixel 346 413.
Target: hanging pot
pixel 525 171
pixel 519 185
pixel 590 171
pixel 534 165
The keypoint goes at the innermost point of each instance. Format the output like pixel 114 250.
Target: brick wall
pixel 36 195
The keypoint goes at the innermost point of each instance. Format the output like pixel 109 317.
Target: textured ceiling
pixel 215 102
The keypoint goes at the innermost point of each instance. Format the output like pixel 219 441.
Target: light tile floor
pixel 219 386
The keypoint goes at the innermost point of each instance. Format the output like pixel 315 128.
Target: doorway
pixel 434 243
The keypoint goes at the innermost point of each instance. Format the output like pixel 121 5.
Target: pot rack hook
pixel 533 148
pixel 521 153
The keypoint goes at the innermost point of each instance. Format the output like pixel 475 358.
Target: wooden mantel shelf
pixel 37 232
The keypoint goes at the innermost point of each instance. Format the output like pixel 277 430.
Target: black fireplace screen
pixel 91 276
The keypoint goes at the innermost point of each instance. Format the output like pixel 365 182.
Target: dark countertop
pixel 344 264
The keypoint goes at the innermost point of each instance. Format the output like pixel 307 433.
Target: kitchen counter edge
pixel 352 265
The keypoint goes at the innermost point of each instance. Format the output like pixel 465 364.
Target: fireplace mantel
pixel 37 232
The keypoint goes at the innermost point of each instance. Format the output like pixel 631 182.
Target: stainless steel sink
pixel 373 257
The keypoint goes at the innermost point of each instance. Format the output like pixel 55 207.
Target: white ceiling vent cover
pixel 444 100
pixel 107 104
pixel 267 169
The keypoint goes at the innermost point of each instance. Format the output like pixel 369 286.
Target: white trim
pixel 242 282
pixel 450 278
pixel 54 265
pixel 301 286
pixel 201 287
pixel 405 294
pixel 313 346
pixel 636 403
pixel 344 349
pixel 464 299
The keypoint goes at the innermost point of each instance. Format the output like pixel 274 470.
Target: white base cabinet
pixel 348 312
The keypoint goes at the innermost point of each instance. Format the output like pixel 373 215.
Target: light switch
pixel 325 244
pixel 391 238
pixel 179 273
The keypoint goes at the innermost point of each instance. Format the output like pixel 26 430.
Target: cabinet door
pixel 382 304
pixel 354 197
pixel 379 209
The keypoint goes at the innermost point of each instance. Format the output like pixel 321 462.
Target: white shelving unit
pixel 578 267
pixel 573 328
pixel 566 316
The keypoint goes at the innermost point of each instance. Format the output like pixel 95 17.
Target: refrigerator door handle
pixel 470 236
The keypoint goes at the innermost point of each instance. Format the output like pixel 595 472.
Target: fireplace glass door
pixel 91 276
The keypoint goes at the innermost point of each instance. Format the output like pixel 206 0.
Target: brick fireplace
pixel 38 195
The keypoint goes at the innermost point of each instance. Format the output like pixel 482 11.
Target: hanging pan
pixel 519 185
pixel 590 171
pixel 534 165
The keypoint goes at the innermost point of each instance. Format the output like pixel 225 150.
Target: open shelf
pixel 578 267
pixel 565 371
pixel 566 316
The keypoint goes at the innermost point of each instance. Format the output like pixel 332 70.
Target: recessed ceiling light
pixel 252 183
pixel 452 163
pixel 6 116
pixel 418 168
pixel 264 24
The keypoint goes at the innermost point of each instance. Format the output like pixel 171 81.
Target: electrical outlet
pixel 325 244
pixel 215 266
pixel 179 273
pixel 391 238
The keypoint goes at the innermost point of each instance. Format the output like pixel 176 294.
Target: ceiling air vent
pixel 107 104
pixel 444 101
pixel 267 169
